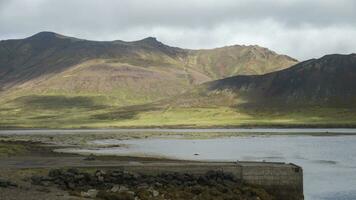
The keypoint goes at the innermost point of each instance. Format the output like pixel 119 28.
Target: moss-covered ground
pixel 60 111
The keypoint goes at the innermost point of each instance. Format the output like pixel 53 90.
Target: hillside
pixel 328 81
pixel 317 92
pixel 314 93
pixel 52 80
pixel 129 72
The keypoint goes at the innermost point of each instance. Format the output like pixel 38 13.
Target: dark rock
pixel 90 157
pixel 197 190
pixel 123 185
pixel 36 180
pixel 45 190
pixel 70 185
pixel 92 193
pixel 55 172
pixel 79 177
pixel 74 171
pixel 116 196
pixel 5 183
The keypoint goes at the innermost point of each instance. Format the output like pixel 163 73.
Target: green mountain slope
pixel 252 60
pixel 140 71
pixel 317 92
pixel 51 80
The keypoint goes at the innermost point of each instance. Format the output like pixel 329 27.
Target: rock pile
pixel 123 185
pixel 5 183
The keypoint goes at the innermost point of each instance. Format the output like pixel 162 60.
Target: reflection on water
pixel 329 162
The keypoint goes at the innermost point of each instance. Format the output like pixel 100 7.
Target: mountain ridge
pixel 51 80
pixel 329 79
pixel 47 54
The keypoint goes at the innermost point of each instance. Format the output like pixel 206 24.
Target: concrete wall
pixel 284 181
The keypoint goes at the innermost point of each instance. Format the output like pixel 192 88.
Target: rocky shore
pixel 123 185
pixel 30 170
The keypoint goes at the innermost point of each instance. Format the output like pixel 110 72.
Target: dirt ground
pixel 21 161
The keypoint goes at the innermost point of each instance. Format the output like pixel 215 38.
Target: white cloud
pixel 299 28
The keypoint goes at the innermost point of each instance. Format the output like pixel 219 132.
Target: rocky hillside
pixel 329 80
pixel 124 72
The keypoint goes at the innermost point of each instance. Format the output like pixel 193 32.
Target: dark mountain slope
pixel 330 79
pixel 46 53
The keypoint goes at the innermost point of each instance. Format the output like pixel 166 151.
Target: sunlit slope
pixel 314 93
pixel 51 80
pixel 252 60
pixel 141 71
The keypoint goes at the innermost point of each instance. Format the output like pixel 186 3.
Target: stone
pixel 101 178
pixel 5 183
pixel 70 185
pixel 36 180
pixel 90 157
pixel 115 196
pixel 55 172
pixel 142 186
pixel 155 193
pixel 44 190
pixel 92 193
pixel 115 188
pixel 99 173
pixel 157 184
pixel 73 171
pixel 123 188
pixel 79 177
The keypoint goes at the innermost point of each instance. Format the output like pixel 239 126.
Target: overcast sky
pixel 300 28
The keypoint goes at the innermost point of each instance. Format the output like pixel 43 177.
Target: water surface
pixel 329 162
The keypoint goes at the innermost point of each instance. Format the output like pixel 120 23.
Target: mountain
pixel 328 80
pixel 314 93
pixel 55 81
pixel 128 72
pixel 237 60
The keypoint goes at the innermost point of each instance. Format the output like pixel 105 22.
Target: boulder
pixel 90 157
pixel 5 183
pixel 92 193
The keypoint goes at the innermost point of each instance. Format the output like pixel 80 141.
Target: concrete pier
pixel 284 181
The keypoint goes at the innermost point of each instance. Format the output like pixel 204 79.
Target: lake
pixel 329 162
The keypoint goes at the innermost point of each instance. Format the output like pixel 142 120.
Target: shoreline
pixel 247 126
pixel 27 173
pixel 186 133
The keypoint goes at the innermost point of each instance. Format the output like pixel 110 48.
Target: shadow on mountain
pixel 57 102
pixel 125 113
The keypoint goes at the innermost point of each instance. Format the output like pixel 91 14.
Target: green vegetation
pixel 145 84
pixel 94 112
pixel 11 149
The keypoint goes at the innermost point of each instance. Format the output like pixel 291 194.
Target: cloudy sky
pixel 300 28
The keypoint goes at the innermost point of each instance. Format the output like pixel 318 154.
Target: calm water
pixel 329 162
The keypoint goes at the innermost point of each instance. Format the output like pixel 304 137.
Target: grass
pixel 7 149
pixel 92 112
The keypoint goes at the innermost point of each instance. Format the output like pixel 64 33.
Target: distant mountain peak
pixel 151 41
pixel 48 35
pixel 45 35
